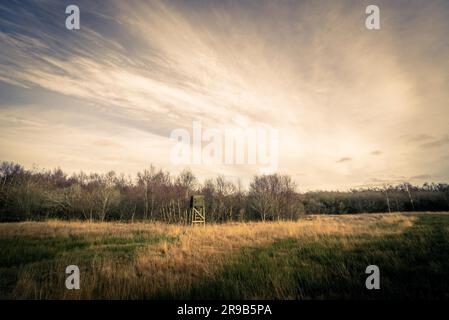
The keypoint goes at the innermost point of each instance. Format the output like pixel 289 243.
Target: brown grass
pixel 173 266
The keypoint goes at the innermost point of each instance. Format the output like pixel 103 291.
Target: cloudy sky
pixel 352 106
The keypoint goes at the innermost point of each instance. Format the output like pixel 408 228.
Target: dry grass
pixel 203 251
pixel 179 258
pixel 64 229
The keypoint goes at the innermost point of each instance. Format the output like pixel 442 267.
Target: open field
pixel 317 257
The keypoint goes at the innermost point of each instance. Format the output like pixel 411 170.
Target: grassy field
pixel 318 257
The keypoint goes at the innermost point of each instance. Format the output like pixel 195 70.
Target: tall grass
pixel 316 257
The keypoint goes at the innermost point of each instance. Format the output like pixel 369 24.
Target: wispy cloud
pixel 135 72
pixel 344 159
pixel 436 143
pixel 415 138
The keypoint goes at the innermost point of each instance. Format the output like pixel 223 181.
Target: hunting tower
pixel 197 210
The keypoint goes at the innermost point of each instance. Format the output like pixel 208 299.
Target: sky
pixel 352 107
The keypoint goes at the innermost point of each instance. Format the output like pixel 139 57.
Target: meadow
pixel 316 257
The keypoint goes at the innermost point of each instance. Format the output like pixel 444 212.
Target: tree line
pixel 157 195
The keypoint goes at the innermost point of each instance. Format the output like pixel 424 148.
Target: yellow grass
pixel 173 266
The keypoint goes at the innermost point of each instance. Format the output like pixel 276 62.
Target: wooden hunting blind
pixel 197 210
